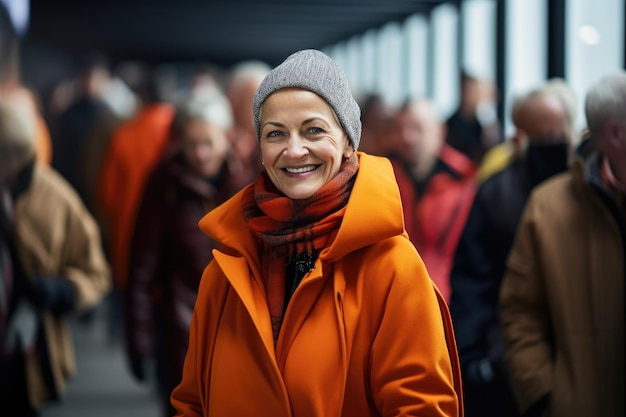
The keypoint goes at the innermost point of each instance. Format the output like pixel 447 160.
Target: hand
pixel 54 294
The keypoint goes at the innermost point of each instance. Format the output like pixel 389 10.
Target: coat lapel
pixel 252 294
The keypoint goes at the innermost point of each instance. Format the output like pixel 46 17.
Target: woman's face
pixel 302 142
pixel 204 146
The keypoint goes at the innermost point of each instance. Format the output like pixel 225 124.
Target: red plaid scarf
pixel 291 227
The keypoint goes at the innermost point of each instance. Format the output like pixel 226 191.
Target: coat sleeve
pixel 86 267
pixel 112 190
pixel 524 315
pixel 84 263
pixel 474 298
pixel 144 268
pixel 414 369
pixel 57 237
pixel 189 397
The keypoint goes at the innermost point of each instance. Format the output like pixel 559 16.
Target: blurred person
pixel 375 117
pixel 479 262
pixel 169 252
pixel 204 80
pixel 120 103
pixel 74 125
pixel 243 83
pixel 132 153
pixel 14 92
pixel 562 299
pixel 316 303
pixel 473 128
pixel 119 92
pixel 51 264
pixel 59 98
pixel 501 155
pixel 436 184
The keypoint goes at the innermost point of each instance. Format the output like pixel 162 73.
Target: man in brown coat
pixel 562 297
pixel 51 264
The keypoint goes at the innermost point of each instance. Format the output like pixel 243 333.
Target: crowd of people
pixel 262 234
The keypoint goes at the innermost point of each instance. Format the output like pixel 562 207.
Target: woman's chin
pixel 300 193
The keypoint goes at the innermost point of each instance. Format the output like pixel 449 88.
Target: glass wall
pixel 424 54
pixel 526 50
pixel 594 43
pixel 478 39
pixel 445 70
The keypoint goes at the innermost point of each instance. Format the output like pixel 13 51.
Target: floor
pixel 103 386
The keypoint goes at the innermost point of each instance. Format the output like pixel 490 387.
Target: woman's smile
pixel 301 170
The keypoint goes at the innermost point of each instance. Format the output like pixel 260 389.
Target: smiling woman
pixel 316 303
pixel 302 142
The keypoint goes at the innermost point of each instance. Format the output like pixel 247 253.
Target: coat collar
pixel 373 213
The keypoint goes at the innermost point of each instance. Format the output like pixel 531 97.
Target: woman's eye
pixel 274 134
pixel 316 130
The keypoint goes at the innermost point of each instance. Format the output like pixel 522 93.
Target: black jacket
pixel 475 279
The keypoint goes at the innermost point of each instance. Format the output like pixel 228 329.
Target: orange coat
pixel 43 142
pixel 135 148
pixel 363 334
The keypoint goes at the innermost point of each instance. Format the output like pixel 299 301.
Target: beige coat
pixel 57 237
pixel 562 301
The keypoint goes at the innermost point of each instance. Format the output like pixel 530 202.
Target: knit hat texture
pixel 315 71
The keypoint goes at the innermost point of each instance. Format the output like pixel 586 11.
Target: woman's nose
pixel 295 147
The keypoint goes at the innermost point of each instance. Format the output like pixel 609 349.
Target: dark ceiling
pixel 219 31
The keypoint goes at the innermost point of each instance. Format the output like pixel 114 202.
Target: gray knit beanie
pixel 314 71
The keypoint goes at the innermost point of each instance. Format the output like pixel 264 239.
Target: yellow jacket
pixel 365 333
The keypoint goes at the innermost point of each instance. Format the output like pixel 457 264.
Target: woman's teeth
pixel 300 170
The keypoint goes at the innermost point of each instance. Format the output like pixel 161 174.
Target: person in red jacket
pixel 436 184
pixel 316 303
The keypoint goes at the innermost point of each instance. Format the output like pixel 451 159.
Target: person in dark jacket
pixel 473 128
pixel 71 131
pixel 169 251
pixel 479 262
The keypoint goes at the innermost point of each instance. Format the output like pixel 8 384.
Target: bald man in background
pixel 436 184
pixel 546 118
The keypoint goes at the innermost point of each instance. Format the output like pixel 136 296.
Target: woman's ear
pixel 348 150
